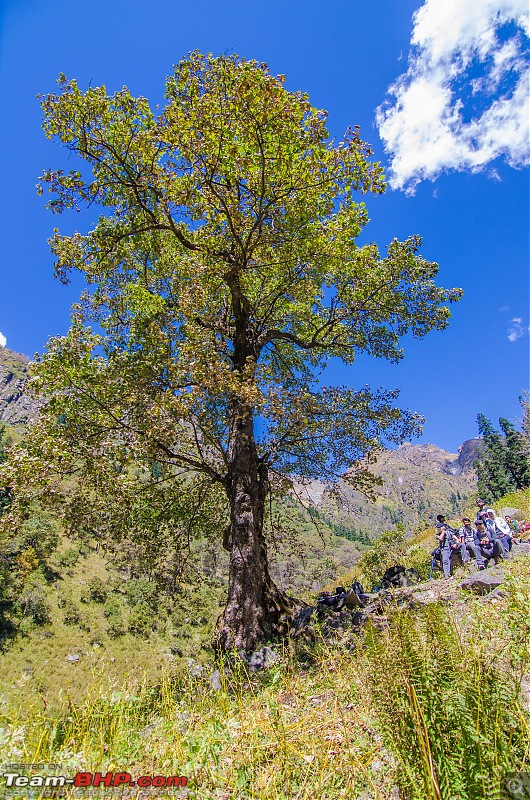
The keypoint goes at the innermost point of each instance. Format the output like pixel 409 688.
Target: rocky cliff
pixel 16 408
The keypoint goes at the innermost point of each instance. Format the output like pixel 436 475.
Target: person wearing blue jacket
pixel 449 544
pixel 490 548
pixel 471 541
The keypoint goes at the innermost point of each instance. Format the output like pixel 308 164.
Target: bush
pixel 96 591
pixel 69 558
pixel 115 625
pixel 142 592
pixel 41 532
pixel 34 604
pixel 72 613
pixel 419 558
pixel 388 549
pixel 141 620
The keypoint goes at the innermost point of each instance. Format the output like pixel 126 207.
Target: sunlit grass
pixel 428 707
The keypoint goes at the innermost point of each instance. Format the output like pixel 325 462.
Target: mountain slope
pixel 419 482
pixel 16 408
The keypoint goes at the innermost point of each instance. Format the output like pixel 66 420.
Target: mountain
pixel 419 482
pixel 16 408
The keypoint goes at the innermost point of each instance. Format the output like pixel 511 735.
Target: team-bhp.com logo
pixel 14 780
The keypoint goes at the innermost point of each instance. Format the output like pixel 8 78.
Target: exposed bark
pixel 256 609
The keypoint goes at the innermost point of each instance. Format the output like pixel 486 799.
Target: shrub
pixel 34 604
pixel 388 549
pixel 139 591
pixel 141 620
pixel 115 625
pixel 41 532
pixel 96 591
pixel 27 562
pixel 72 613
pixel 69 558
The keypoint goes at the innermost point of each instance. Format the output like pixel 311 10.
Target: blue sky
pixel 439 89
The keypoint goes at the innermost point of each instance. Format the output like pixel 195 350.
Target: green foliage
pixel 115 626
pixel 72 614
pixel 453 720
pixel 5 443
pixel 141 620
pixel 39 531
pixel 517 454
pixel 387 549
pixel 69 558
pixel 96 591
pixel 503 464
pixel 139 591
pixel 33 602
pixel 524 401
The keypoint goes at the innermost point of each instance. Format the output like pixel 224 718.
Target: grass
pixel 429 706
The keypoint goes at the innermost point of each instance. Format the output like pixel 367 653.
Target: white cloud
pixel 3 340
pixel 517 329
pixel 429 124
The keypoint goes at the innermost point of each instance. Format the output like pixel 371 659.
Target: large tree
pixel 222 275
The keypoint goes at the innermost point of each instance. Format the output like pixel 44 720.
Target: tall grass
pixel 453 719
pixel 426 707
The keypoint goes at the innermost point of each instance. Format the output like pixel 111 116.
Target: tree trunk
pixel 256 609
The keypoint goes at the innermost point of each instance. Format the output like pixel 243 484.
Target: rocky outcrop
pixel 342 625
pixel 16 408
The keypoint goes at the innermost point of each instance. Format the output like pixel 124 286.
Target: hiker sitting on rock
pixel 498 531
pixel 449 543
pixel 470 538
pixel 514 525
pixel 482 510
pixel 504 532
pixel 490 548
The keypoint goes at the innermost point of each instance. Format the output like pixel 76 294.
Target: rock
pixel 215 680
pixel 485 581
pixel 522 549
pixel 195 669
pixel 149 728
pixel 16 408
pixel 73 657
pixel 514 513
pixel 263 658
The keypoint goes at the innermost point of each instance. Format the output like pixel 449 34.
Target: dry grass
pixel 425 709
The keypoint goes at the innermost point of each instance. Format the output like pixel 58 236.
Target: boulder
pixel 484 581
pixel 514 513
pixel 263 658
pixel 73 658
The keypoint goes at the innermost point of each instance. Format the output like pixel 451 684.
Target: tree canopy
pixel 503 463
pixel 223 274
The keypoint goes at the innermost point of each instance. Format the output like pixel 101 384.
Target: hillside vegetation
pixel 429 703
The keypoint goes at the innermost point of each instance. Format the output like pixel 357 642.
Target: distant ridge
pixel 419 482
